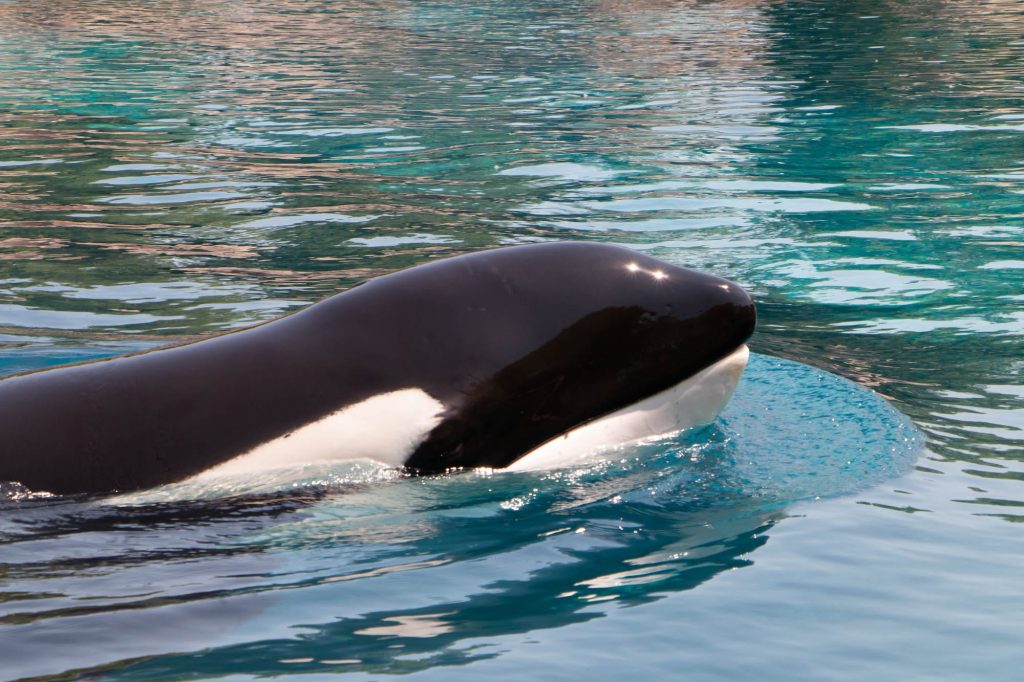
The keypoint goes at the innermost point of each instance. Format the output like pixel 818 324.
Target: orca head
pixel 623 327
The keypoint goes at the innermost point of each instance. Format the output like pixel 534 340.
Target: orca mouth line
pixel 695 401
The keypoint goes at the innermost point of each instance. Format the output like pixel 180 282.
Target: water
pixel 170 169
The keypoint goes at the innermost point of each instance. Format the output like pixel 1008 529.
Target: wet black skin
pixel 520 345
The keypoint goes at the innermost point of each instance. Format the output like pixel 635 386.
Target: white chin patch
pixel 386 428
pixel 692 402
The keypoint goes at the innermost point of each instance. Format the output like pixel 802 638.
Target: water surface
pixel 170 169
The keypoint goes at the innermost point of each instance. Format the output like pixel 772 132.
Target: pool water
pixel 170 169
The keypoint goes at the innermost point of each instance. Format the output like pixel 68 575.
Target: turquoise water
pixel 170 169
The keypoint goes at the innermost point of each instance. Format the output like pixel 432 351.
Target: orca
pixel 519 357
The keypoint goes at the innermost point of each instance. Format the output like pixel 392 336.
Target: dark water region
pixel 171 169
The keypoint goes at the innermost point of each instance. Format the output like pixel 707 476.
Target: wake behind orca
pixel 519 357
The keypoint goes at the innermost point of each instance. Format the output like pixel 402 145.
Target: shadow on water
pixel 441 562
pixel 398 640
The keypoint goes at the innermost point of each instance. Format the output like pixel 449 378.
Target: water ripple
pixel 170 169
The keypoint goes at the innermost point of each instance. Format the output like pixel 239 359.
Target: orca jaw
pixel 695 401
pixel 680 371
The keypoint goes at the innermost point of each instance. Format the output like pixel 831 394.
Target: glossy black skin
pixel 520 344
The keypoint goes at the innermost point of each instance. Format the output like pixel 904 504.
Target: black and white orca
pixel 520 357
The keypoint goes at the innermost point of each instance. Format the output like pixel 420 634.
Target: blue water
pixel 170 169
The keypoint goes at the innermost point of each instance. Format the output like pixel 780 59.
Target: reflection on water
pixel 171 169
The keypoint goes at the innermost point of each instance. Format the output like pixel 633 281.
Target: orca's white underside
pixel 691 402
pixel 389 427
